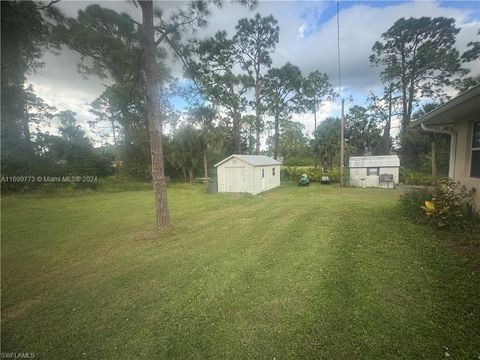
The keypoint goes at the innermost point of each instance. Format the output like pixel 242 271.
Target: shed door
pixel 234 179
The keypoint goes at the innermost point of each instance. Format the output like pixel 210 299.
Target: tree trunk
pixel 411 94
pixel 405 110
pixel 205 167
pixel 257 123
pixel 315 122
pixel 26 133
pixel 153 115
pixel 236 130
pixel 387 141
pixel 113 130
pixel 257 110
pixel 236 125
pixel 314 117
pixel 276 138
pixel 190 175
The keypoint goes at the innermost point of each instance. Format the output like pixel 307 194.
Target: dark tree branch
pixel 52 2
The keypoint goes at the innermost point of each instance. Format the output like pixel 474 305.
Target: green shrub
pixel 299 161
pixel 284 174
pixel 449 204
pixel 417 178
pixel 412 201
pixel 294 173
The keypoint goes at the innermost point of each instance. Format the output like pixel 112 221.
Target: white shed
pixel 251 174
pixel 374 171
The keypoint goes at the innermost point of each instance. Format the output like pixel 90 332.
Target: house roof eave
pixel 465 106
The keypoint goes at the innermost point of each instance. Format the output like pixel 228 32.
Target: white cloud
pixel 328 109
pixel 60 85
pixel 301 31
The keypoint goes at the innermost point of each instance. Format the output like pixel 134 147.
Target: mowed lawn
pixel 296 273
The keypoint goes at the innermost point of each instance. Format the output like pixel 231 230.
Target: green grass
pixel 296 273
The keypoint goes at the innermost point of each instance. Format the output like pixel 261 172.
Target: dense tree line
pixel 27 148
pixel 236 96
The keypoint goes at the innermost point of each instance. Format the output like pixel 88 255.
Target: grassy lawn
pixel 296 273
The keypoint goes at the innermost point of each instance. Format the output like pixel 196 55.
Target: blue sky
pixel 318 18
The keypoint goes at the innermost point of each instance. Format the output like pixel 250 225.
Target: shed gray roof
pixel 254 160
pixel 374 161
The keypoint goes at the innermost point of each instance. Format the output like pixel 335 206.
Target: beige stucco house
pixel 251 174
pixel 460 118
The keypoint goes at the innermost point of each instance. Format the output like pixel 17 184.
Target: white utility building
pixel 251 174
pixel 374 171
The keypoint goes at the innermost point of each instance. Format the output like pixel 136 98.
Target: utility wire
pixel 342 137
pixel 338 49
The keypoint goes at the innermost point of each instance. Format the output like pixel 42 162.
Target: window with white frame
pixel 372 171
pixel 263 173
pixel 475 158
pixel 273 171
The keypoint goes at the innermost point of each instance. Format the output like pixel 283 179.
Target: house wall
pixel 247 179
pixel 356 174
pixel 395 171
pixel 463 153
pixel 271 181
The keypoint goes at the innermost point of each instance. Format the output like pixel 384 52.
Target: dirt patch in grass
pixel 21 309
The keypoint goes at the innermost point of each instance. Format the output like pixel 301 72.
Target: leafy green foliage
pixel 362 132
pixel 383 109
pixel 254 40
pixel 473 53
pixel 294 173
pixel 25 36
pixel 298 161
pixel 110 45
pixel 468 83
pixel 282 97
pixel 411 177
pixel 416 147
pixel 214 75
pixel 447 207
pixel 185 151
pixel 292 143
pixel 316 89
pixel 326 145
pixel 419 58
pixel 412 201
pixel 70 153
